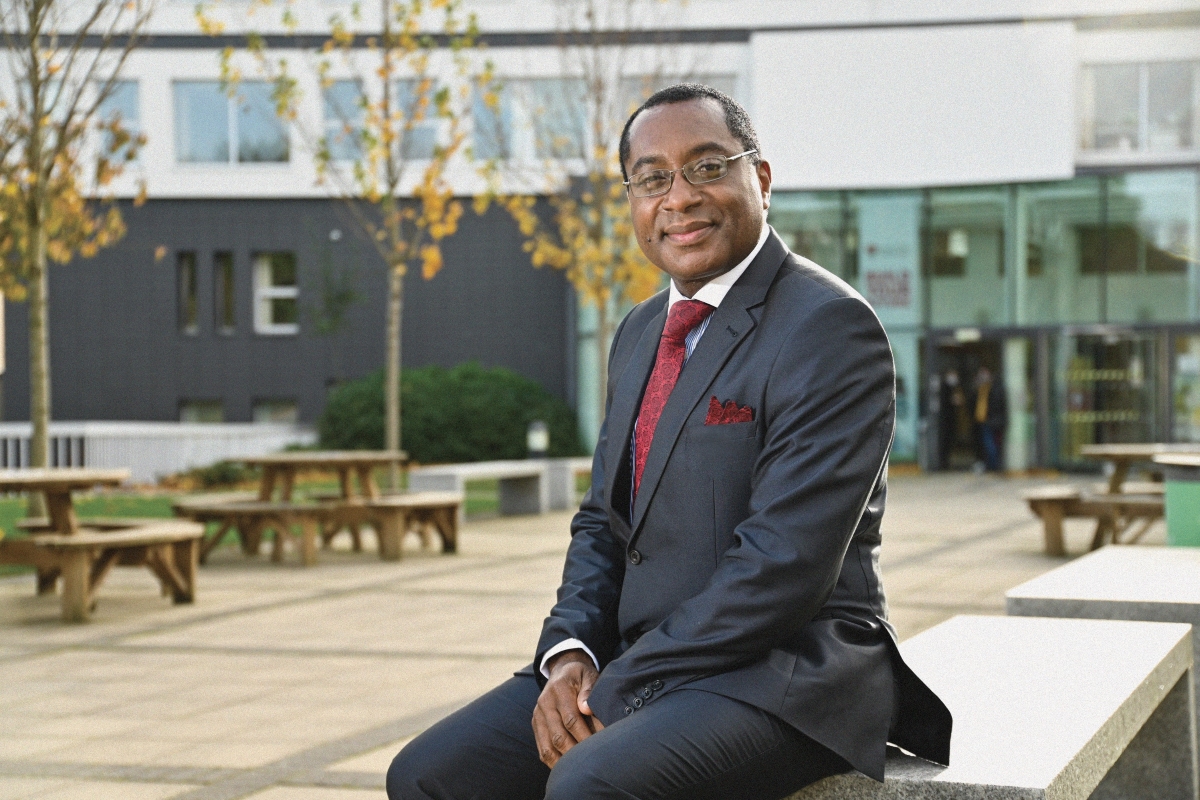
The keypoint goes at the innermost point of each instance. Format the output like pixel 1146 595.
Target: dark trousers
pixel 686 745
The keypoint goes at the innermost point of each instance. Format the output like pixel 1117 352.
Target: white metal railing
pixel 149 450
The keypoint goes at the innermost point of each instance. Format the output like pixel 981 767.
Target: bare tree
pixel 64 63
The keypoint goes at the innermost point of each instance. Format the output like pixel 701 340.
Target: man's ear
pixel 764 182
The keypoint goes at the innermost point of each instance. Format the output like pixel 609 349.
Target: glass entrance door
pixel 1108 391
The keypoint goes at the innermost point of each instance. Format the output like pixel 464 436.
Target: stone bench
pixel 1115 514
pixel 524 485
pixel 1033 722
pixel 168 548
pixel 561 474
pixel 1155 584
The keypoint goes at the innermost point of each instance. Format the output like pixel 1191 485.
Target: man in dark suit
pixel 720 631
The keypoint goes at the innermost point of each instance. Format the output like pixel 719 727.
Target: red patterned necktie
pixel 683 317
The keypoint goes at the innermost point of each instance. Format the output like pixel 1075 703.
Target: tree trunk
pixel 39 363
pixel 392 370
pixel 603 334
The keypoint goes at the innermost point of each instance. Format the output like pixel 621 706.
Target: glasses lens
pixel 651 183
pixel 706 169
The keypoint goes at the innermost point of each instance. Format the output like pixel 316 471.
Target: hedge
pixel 467 413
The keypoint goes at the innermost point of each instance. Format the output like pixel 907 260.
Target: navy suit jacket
pixel 748 565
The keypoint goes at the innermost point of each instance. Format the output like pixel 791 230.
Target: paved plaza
pixel 286 683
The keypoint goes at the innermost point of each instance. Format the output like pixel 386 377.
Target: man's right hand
pixel 562 718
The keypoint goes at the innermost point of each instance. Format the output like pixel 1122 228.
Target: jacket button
pixel 628 711
pixel 655 685
pixel 635 557
pixel 645 693
pixel 637 702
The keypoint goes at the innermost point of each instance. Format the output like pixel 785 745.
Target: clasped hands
pixel 562 718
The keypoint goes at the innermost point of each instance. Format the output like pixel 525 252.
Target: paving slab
pixel 285 682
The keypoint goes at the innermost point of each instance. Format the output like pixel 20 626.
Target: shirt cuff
pixel 563 646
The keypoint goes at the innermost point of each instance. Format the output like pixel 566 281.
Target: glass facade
pixel 1081 297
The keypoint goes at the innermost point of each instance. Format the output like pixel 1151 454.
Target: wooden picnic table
pixel 56 485
pixel 82 554
pixel 281 470
pixel 1124 456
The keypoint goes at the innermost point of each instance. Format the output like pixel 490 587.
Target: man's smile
pixel 690 233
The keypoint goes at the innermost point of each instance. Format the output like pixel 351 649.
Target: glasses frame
pixel 671 183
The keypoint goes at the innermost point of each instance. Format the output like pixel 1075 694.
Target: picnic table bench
pixel 1027 727
pixel 168 548
pixel 391 516
pixel 1154 584
pixel 1116 515
pixel 82 552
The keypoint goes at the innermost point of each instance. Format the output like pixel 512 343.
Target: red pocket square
pixel 727 414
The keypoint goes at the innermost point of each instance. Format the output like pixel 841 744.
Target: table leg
pixel 390 527
pixel 62 513
pixel 344 483
pixel 288 483
pixel 366 483
pixel 446 521
pixel 1052 522
pixel 187 558
pixel 1117 479
pixel 76 573
pixel 267 488
pixel 309 531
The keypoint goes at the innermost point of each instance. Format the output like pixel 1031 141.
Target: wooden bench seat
pixel 391 516
pixel 1047 708
pixel 1116 515
pixel 168 548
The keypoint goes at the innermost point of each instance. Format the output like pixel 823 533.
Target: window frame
pixel 265 293
pixel 233 110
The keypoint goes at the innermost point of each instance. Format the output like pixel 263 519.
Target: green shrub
pixel 222 473
pixel 467 413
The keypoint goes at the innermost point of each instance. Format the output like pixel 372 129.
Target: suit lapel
pixel 731 324
pixel 627 400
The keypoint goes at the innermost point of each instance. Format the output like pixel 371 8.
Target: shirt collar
pixel 715 290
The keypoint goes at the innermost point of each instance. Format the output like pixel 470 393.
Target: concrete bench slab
pixel 1155 584
pixel 1048 709
pixel 561 474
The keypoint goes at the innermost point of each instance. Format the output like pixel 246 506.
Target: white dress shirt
pixel 712 293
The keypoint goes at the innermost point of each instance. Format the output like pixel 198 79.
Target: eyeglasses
pixel 702 170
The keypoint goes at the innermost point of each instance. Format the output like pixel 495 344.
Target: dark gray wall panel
pixel 117 352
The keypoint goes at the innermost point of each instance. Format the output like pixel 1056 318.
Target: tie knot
pixel 683 317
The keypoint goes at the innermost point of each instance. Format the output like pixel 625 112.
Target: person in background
pixel 990 414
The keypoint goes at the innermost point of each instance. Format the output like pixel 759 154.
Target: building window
pixel 212 127
pixel 201 411
pixel 1153 107
pixel 185 271
pixel 343 104
pixel 420 110
pixel 276 294
pixel 492 127
pixel 225 319
pixel 120 106
pixel 556 112
pixel 275 411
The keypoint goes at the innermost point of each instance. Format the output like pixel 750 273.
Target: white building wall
pixel 912 107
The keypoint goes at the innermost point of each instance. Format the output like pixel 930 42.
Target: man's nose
pixel 682 194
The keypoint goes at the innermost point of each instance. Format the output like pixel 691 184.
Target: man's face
pixel 695 233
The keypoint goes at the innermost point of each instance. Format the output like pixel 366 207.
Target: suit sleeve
pixel 829 416
pixel 586 608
